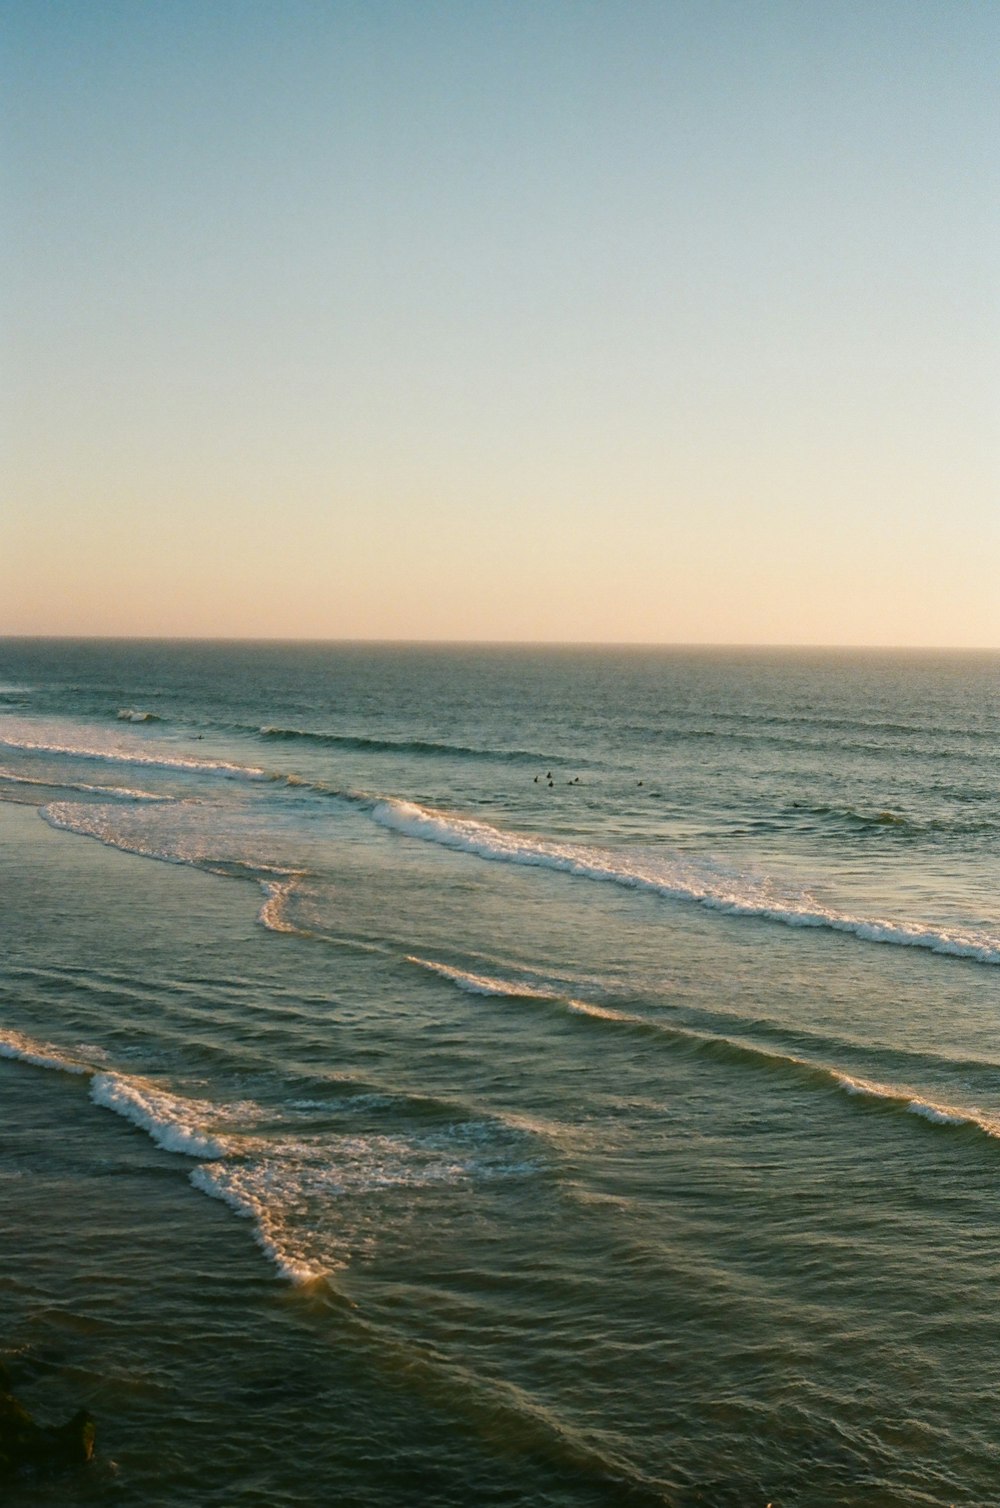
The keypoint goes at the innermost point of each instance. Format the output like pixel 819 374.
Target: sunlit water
pixel 503 1076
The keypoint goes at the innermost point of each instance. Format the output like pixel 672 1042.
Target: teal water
pixel 503 1076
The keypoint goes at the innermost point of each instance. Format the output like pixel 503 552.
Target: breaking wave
pixel 153 759
pixel 14 1044
pixel 175 1124
pixel 116 792
pixel 737 894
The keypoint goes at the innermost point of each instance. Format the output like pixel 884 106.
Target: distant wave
pixel 157 760
pixel 482 984
pixel 862 819
pixel 675 879
pixel 363 744
pixel 130 715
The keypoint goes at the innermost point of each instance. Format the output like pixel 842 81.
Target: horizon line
pixel 444 643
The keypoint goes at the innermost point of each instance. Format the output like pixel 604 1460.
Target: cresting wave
pixel 131 715
pixel 14 1044
pixel 177 1125
pixel 120 755
pixel 734 1050
pixel 674 879
pixel 117 792
pixel 272 1179
pixel 362 744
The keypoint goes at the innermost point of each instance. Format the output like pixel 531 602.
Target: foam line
pixel 157 761
pixel 14 1044
pixel 675 879
pixel 172 1122
pixel 116 792
pixel 482 984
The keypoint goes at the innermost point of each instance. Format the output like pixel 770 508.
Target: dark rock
pixel 25 1443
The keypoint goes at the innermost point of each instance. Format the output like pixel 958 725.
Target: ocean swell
pixel 360 743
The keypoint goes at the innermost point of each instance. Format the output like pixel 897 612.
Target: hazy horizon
pixel 417 643
pixel 571 323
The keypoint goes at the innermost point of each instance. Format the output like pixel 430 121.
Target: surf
pixel 675 878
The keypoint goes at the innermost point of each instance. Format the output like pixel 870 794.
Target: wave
pixel 938 1113
pixel 485 984
pixel 874 819
pixel 719 889
pixel 235 1190
pixel 277 890
pixel 157 760
pixel 898 1097
pixel 482 984
pixel 131 715
pixel 116 792
pixel 96 821
pixel 175 1124
pixel 361 743
pixel 14 1044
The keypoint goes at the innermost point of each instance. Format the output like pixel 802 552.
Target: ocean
pixel 464 1076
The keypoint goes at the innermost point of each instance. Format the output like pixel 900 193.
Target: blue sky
pixel 667 322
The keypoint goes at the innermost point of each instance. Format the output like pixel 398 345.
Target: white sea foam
pixel 117 792
pixel 937 1113
pixel 237 1187
pixel 272 913
pixel 16 734
pixel 676 878
pixel 481 984
pixel 132 715
pixel 175 1124
pixel 14 1044
pixel 285 1186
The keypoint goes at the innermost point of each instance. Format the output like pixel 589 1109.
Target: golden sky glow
pixel 552 322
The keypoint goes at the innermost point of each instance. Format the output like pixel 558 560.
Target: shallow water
pixel 506 1076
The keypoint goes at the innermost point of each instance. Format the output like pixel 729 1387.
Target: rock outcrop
pixel 24 1443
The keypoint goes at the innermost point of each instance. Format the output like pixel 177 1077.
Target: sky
pixel 528 320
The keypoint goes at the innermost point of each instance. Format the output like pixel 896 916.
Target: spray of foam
pixel 175 1124
pixel 41 1054
pixel 238 1188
